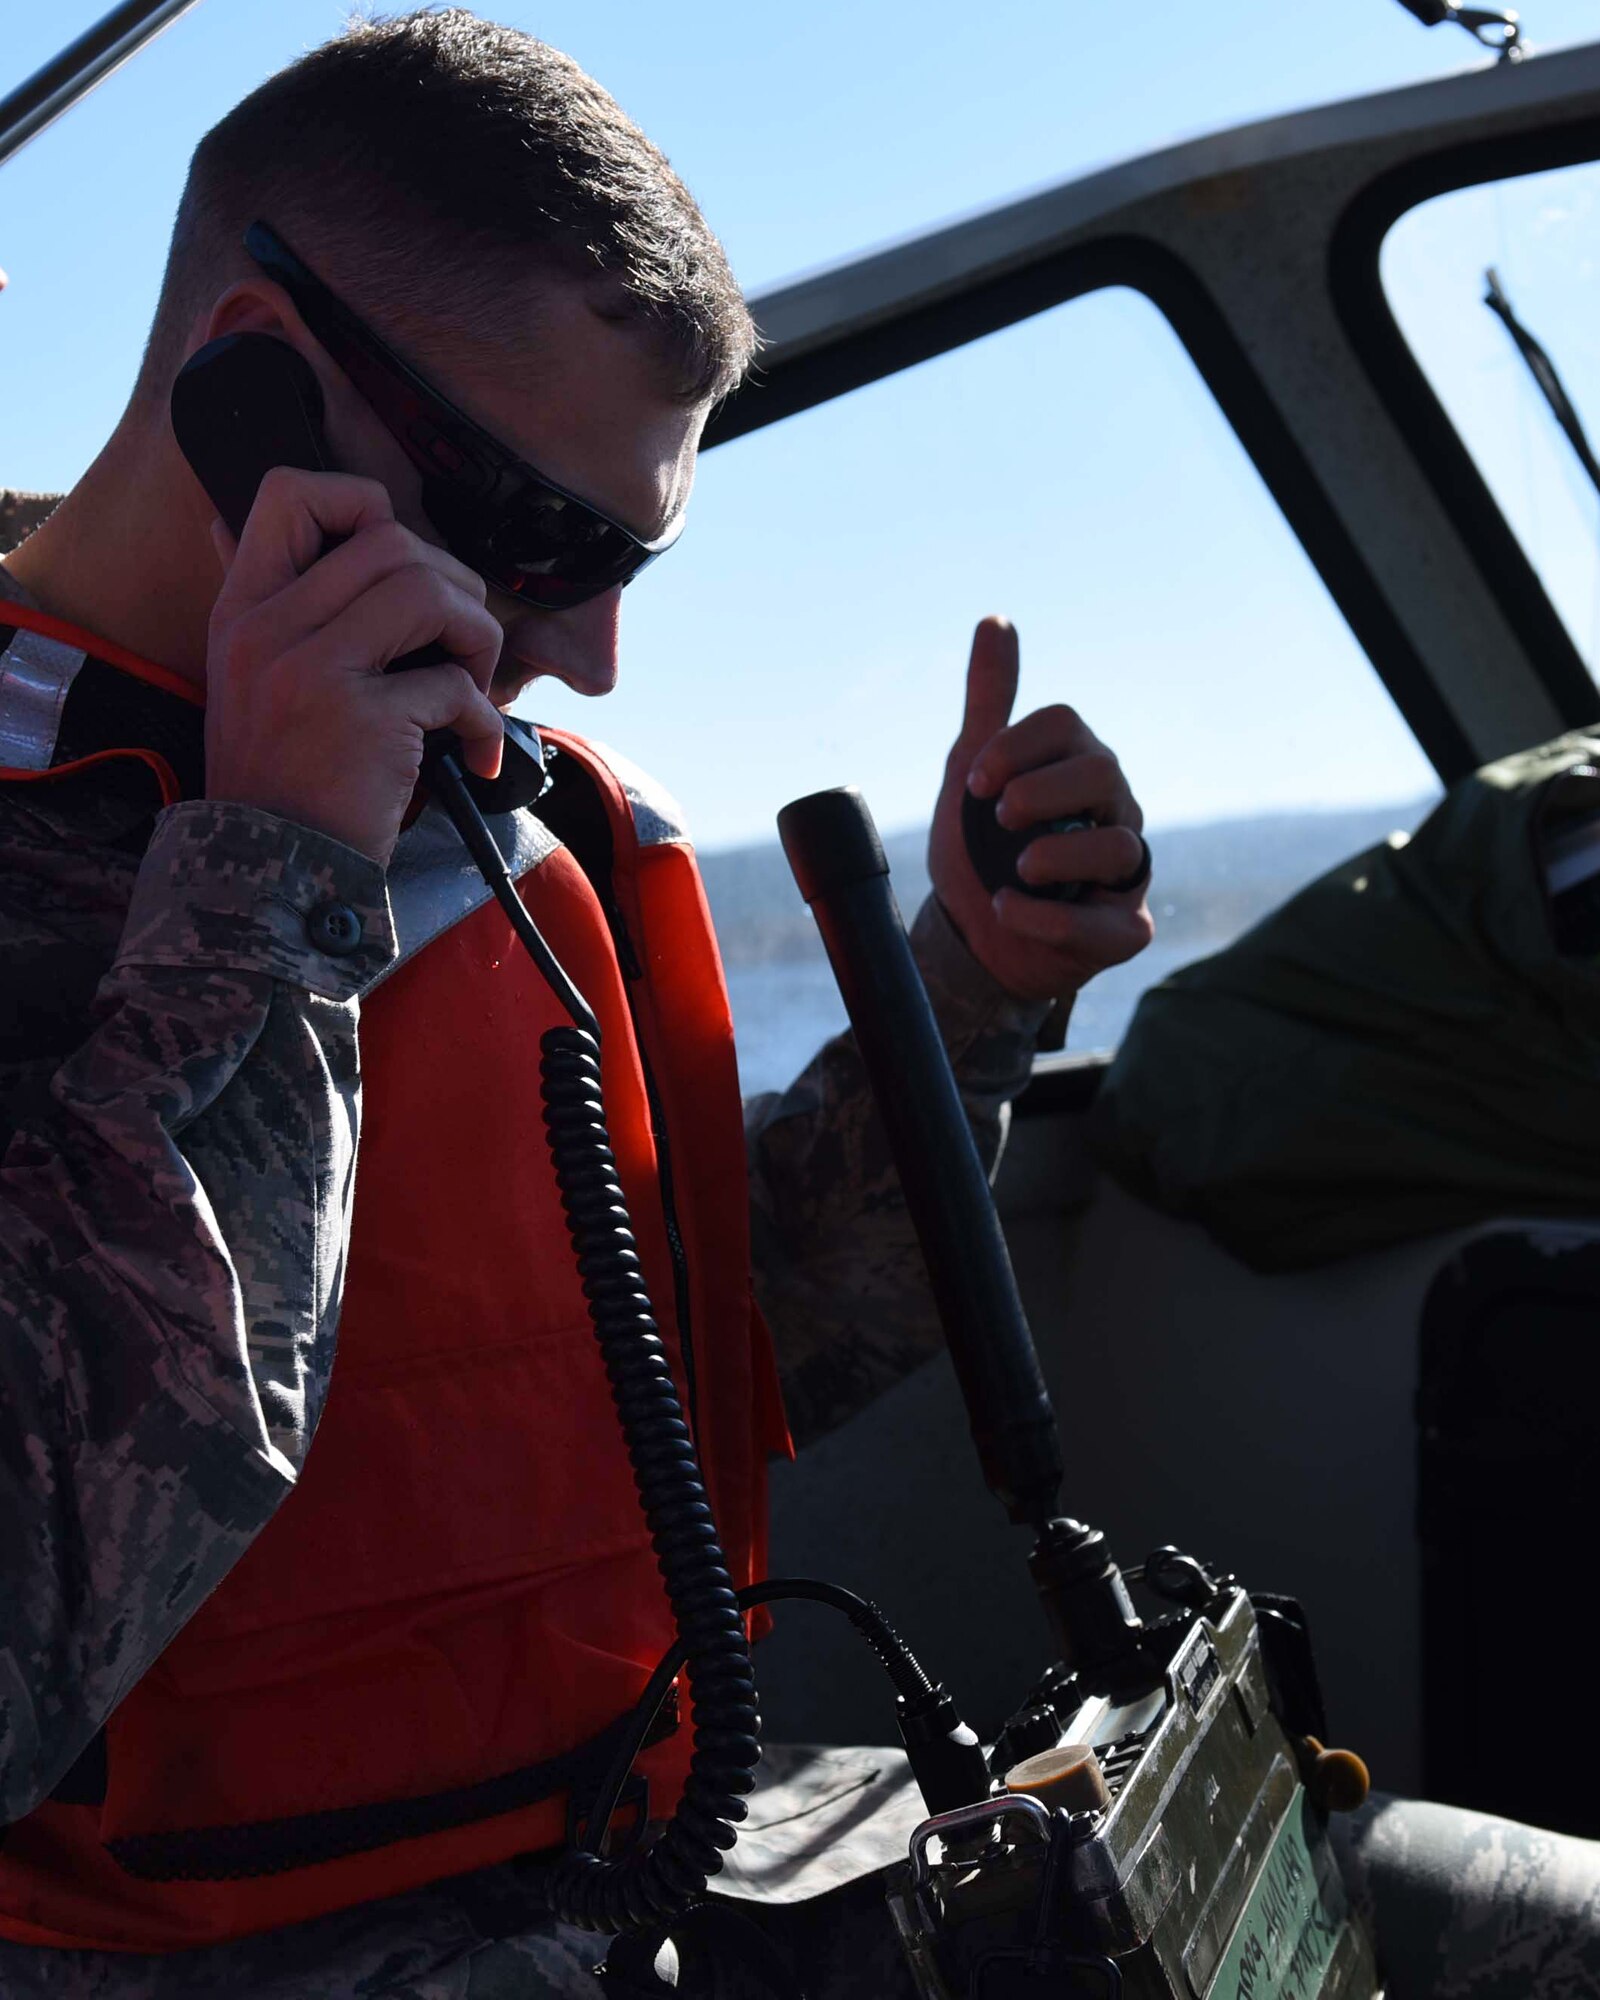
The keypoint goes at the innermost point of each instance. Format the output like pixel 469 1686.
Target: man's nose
pixel 582 644
pixel 599 623
pixel 578 646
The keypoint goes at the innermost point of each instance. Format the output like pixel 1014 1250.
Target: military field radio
pixel 1152 1821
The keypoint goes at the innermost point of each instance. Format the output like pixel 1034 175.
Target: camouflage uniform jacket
pixel 181 1098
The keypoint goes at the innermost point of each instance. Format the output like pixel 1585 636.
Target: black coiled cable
pixel 911 1681
pixel 647 1885
pixel 652 1884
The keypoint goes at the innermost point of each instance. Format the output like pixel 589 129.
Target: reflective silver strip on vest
pixel 433 883
pixel 656 813
pixel 35 673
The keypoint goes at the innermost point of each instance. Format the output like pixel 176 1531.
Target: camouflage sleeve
pixel 838 1273
pixel 174 1204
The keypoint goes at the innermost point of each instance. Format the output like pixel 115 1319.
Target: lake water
pixel 784 1012
pixel 1211 883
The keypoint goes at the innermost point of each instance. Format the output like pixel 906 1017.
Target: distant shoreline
pixel 1211 880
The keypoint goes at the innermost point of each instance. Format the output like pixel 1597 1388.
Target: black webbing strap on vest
pixel 272 1846
pixel 107 709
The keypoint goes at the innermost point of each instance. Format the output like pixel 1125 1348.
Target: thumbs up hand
pixel 1047 766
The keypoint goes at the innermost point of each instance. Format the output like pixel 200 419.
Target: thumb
pixel 222 540
pixel 992 674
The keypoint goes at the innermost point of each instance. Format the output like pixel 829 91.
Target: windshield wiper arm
pixel 1543 371
pixel 1498 28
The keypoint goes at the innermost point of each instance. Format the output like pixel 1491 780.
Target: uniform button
pixel 334 928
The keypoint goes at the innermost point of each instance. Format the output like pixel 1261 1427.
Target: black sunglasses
pixel 497 514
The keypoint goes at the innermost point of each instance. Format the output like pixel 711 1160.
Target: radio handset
pixel 247 402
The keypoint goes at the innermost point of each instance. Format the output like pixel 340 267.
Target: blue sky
pixel 811 628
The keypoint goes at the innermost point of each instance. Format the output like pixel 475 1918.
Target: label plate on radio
pixel 1283 1944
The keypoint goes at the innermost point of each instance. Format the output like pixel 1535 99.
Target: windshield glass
pixel 1540 236
pixel 1075 474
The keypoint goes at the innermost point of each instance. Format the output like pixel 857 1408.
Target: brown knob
pixel 1068 1778
pixel 1336 1780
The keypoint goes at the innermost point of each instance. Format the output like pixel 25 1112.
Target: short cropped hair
pixel 427 166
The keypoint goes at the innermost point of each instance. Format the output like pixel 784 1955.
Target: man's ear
pixel 357 441
pixel 257 305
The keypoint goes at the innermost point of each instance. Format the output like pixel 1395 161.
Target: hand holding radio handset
pixel 325 593
pixel 302 716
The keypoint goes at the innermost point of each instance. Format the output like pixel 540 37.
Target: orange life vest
pixel 459 1591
